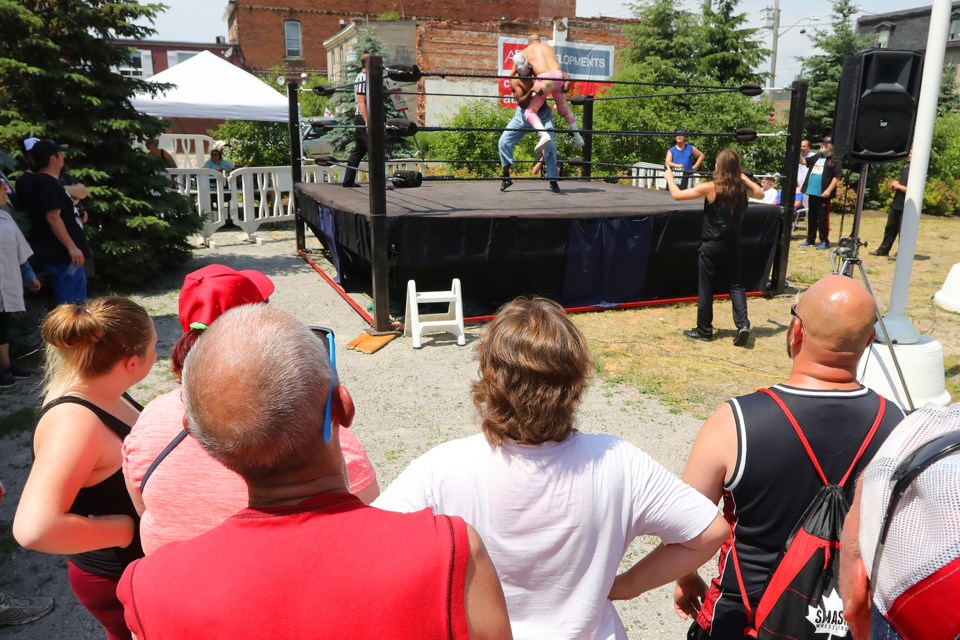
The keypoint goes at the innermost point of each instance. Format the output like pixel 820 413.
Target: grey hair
pixel 255 388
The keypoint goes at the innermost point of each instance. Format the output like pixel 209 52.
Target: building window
pixel 176 57
pixel 291 35
pixel 883 37
pixel 140 65
pixel 955 27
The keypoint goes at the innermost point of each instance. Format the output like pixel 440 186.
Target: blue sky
pixel 202 21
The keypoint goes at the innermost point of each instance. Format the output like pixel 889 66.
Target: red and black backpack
pixel 801 599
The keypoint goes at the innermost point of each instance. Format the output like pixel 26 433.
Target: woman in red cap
pixel 163 464
pixel 75 501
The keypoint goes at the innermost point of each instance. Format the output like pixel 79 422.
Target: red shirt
pixel 329 567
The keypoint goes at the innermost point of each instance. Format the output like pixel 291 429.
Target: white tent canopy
pixel 207 86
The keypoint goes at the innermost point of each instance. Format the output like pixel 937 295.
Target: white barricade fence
pixel 648 175
pixel 189 150
pixel 252 196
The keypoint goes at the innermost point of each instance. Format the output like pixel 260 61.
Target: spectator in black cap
pixel 685 157
pixel 56 236
pixel 821 183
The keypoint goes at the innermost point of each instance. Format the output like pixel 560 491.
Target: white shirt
pixel 14 251
pixel 555 518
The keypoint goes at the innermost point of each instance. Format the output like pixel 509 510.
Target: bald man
pixel 749 454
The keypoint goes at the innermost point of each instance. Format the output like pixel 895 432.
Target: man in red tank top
pixel 748 454
pixel 306 559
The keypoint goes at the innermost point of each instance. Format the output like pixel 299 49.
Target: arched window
pixel 292 40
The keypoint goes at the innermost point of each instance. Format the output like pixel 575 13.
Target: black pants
pixel 719 268
pixel 359 150
pixel 890 232
pixel 817 220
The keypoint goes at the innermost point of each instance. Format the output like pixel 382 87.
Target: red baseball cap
pixel 209 292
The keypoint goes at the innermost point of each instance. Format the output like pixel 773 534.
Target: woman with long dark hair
pixel 725 201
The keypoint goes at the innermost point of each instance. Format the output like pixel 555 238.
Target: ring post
pixel 586 169
pixel 788 185
pixel 376 171
pixel 293 120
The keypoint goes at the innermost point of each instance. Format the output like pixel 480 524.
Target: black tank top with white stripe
pixel 774 481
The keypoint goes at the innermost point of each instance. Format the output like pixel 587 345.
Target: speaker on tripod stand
pixel 877 105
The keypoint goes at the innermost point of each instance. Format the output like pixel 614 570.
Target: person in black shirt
pixel 748 455
pixel 724 202
pixel 360 121
pixel 892 230
pixel 56 236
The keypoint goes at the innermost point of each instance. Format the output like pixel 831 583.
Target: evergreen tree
pixel 949 100
pixel 666 42
pixel 730 51
pixel 343 103
pixel 56 82
pixel 823 70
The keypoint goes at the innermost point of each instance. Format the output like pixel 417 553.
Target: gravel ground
pixel 407 401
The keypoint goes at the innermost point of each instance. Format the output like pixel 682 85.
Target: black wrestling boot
pixel 554 186
pixel 505 184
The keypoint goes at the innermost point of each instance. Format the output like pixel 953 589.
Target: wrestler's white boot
pixel 577 138
pixel 544 140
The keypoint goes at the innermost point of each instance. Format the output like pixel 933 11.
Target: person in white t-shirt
pixel 556 507
pixel 769 191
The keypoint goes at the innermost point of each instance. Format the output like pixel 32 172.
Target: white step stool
pixel 451 322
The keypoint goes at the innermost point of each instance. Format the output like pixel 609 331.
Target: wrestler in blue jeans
pixel 516 129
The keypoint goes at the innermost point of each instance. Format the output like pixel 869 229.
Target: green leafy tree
pixel 823 70
pixel 343 103
pixel 56 81
pixel 466 150
pixel 949 100
pixel 255 144
pixel 730 51
pixel 666 41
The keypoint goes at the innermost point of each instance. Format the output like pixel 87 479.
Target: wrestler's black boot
pixel 506 182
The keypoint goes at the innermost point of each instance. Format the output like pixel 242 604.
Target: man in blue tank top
pixel 685 157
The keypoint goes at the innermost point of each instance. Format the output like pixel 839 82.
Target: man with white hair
pixel 900 551
pixel 306 558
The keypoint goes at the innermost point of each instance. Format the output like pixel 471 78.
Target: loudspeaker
pixel 877 105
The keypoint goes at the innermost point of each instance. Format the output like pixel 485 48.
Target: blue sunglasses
pixel 327 335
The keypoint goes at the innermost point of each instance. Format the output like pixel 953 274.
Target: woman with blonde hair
pixel 556 507
pixel 75 501
pixel 724 203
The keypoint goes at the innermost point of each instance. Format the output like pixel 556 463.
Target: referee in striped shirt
pixel 360 120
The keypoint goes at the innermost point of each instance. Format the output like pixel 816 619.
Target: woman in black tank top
pixel 75 501
pixel 725 201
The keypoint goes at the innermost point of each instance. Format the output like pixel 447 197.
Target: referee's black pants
pixel 359 151
pixel 719 269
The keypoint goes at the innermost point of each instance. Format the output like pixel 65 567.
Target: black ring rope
pixel 610 132
pixel 445 74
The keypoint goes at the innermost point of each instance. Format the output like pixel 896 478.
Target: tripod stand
pixel 848 257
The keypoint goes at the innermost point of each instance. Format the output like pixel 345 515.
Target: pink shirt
pixel 190 493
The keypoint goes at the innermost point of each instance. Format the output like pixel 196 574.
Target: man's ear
pixel 856 606
pixel 343 409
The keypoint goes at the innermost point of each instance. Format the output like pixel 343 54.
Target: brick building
pixel 150 57
pixel 290 33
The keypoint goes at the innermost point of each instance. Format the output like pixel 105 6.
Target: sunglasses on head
pixel 327 336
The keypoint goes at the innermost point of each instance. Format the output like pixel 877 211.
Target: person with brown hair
pixel 724 203
pixel 556 507
pixel 75 501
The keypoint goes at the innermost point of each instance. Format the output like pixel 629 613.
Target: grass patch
pixel 644 348
pixel 18 422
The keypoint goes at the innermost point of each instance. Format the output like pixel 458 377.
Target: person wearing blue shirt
pixel 685 157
